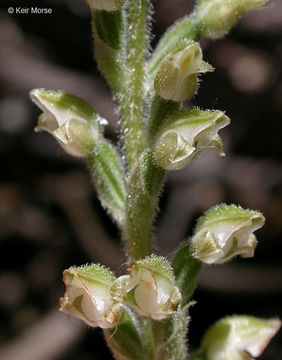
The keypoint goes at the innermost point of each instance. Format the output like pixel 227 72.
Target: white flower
pixel 224 232
pixel 71 120
pixel 235 337
pixel 88 296
pixel 185 133
pixel 149 289
pixel 176 78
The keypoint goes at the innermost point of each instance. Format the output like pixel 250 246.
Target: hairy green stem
pixel 144 186
pixel 140 207
pixel 132 98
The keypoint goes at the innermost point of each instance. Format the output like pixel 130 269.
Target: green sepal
pixel 94 273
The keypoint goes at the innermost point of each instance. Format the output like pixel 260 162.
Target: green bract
pixel 176 78
pixel 109 181
pixel 71 120
pixel 235 337
pixel 108 5
pixel 149 289
pixel 185 133
pixel 224 232
pixel 217 17
pixel 88 296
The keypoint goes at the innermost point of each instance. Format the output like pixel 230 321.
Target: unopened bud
pixel 71 120
pixel 224 232
pixel 184 134
pixel 177 78
pixel 217 17
pixel 238 337
pixel 88 296
pixel 149 289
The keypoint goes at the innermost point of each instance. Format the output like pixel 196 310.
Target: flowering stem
pixel 144 187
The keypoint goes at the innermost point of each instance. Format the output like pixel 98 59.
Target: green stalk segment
pixel 132 98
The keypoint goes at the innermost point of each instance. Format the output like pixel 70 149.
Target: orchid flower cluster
pixel 144 314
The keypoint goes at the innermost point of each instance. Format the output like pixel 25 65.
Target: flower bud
pixel 176 78
pixel 149 289
pixel 224 232
pixel 108 5
pixel 88 296
pixel 217 17
pixel 71 120
pixel 184 134
pixel 237 337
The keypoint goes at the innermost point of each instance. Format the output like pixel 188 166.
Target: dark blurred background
pixel 50 218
